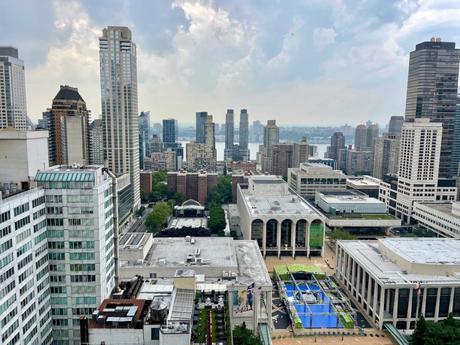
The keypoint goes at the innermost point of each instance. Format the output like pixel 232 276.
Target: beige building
pixel 200 156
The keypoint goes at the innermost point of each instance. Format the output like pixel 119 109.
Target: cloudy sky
pixel 304 62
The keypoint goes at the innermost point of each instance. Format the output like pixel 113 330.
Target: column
pixel 451 301
pixel 353 270
pixel 278 237
pixel 363 287
pixel 436 308
pixel 307 243
pixel 409 308
pixel 268 298
pixel 324 238
pixel 369 290
pixel 395 306
pixel 374 303
pixel 423 302
pixel 264 238
pixel 293 239
pixel 382 304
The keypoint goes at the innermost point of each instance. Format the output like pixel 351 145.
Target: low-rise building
pixel 146 180
pixel 365 184
pixel 395 280
pixel 196 186
pixel 440 217
pixel 355 211
pixel 310 178
pixel 281 222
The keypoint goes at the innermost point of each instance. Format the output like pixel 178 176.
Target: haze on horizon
pixel 303 62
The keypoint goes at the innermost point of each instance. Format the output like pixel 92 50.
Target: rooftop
pixel 347 196
pixel 383 259
pixel 448 208
pixel 188 222
pixel 365 181
pixel 68 93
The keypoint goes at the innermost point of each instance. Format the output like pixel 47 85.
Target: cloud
pixel 323 37
pixel 73 60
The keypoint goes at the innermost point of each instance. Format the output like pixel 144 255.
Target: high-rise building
pixel 201 118
pixel 229 134
pixel 432 92
pixel 337 143
pixel 209 135
pixel 282 159
pixel 24 271
pixel 271 137
pixel 170 131
pixel 456 145
pixel 96 142
pixel 419 157
pixel 371 135
pixel 358 162
pixel 361 137
pixel 395 125
pixel 81 245
pixel 68 141
pixel 43 123
pixel 300 152
pixel 144 133
pixel 257 132
pixel 156 145
pixel 386 155
pixel 13 106
pixel 118 66
pixel 244 129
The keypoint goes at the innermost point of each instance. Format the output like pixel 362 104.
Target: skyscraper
pixel 68 141
pixel 432 92
pixel 118 66
pixel 81 245
pixel 229 134
pixel 170 130
pixel 209 134
pixel 96 139
pixel 337 143
pixel 271 137
pixel 419 157
pixel 371 135
pixel 243 130
pixel 201 117
pixel 144 137
pixel 395 125
pixel 361 137
pixel 386 155
pixel 13 107
pixel 282 159
pixel 300 152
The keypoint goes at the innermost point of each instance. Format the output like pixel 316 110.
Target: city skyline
pixel 353 52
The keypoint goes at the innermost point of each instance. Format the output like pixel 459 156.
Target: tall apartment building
pixel 80 231
pixel 144 137
pixel 196 186
pixel 358 162
pixel 68 141
pixel 13 106
pixel 337 143
pixel 432 92
pixel 96 142
pixel 271 137
pixel 386 155
pixel 243 150
pixel 170 131
pixel 282 159
pixel 25 288
pixel 229 134
pixel 419 161
pixel 210 135
pixel 361 137
pixel 395 125
pixel 201 118
pixel 300 152
pixel 118 66
pixel 200 157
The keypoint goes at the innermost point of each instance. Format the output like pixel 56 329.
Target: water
pixel 253 148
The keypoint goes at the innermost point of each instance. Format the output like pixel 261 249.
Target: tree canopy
pixel 445 332
pixel 337 235
pixel 216 221
pixel 243 336
pixel 158 217
pixel 221 193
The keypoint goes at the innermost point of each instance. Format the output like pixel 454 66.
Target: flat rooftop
pixel 363 182
pixel 284 205
pixel 344 197
pixel 445 207
pixel 420 250
pixel 185 222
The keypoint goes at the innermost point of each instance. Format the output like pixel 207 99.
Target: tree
pixel 158 217
pixel 445 332
pixel 338 235
pixel 222 192
pixel 179 198
pixel 243 336
pixel 217 220
pixel 420 331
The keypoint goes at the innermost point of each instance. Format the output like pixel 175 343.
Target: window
pixel 21 222
pixel 38 201
pixel 155 333
pixel 5 216
pixel 5 231
pixel 21 209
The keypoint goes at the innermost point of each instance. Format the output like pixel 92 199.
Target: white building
pixel 13 107
pixel 440 217
pixel 312 177
pixel 418 164
pixel 118 66
pixel 24 279
pixel 22 154
pixel 282 223
pixel 80 219
pixel 396 280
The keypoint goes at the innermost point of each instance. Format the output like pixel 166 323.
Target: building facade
pixel 80 230
pixel 271 137
pixel 196 186
pixel 229 134
pixel 432 92
pixel 118 67
pixel 69 139
pixel 310 178
pixel 337 143
pixel 200 117
pixel 386 155
pixel 282 159
pixel 395 125
pixel 13 106
pixel 300 152
pixel 24 270
pixel 282 223
pixel 441 217
pixel 96 142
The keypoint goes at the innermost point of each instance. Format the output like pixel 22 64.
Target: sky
pixel 300 62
